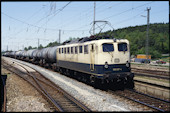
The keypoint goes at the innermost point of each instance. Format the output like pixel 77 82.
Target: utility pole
pixel 38 43
pixel 59 35
pixel 18 46
pixel 94 18
pixel 7 47
pixel 147 35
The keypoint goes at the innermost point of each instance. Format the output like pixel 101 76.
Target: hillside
pixel 158 38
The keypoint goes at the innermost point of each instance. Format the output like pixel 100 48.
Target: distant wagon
pixel 143 58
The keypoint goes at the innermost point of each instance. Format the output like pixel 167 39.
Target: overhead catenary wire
pixel 125 20
pixel 115 5
pixel 58 29
pixel 128 10
pixel 89 11
pixel 45 28
pixel 29 19
pixel 59 10
pixel 22 21
pixel 40 29
pixel 115 15
pixel 31 24
pixel 41 26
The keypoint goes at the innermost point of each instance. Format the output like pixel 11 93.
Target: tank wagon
pixel 100 62
pixel 17 54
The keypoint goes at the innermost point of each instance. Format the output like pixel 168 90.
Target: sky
pixel 24 23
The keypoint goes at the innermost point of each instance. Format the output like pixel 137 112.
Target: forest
pixel 158 38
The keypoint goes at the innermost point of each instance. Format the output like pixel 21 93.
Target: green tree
pixel 158 38
pixel 25 48
pixel 40 47
pixel 30 47
pixel 51 44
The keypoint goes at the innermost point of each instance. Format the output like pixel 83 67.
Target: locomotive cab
pixel 116 55
pixel 113 59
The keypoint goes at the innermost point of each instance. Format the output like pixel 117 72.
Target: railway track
pixel 153 73
pixel 152 84
pixel 60 99
pixel 151 102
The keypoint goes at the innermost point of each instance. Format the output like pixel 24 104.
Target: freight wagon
pixel 143 58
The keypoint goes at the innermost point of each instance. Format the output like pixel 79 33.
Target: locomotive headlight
pixel 127 64
pixel 106 65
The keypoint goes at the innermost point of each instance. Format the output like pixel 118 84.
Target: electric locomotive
pixel 99 61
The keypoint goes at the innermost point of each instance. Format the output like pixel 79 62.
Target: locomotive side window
pixel 65 50
pixel 71 50
pixel 85 49
pixel 76 50
pixel 92 47
pixel 107 47
pixel 59 51
pixel 62 50
pixel 80 49
pixel 122 46
pixel 68 50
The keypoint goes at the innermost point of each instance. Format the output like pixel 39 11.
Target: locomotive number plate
pixel 117 69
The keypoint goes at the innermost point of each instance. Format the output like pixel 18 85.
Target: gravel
pixel 95 99
pixel 22 97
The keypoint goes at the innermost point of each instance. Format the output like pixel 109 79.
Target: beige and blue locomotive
pixel 100 62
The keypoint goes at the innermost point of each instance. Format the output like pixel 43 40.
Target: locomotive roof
pixel 85 39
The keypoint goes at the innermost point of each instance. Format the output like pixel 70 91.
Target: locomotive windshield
pixel 108 47
pixel 122 46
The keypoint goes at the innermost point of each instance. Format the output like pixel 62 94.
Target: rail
pixel 144 99
pixel 57 104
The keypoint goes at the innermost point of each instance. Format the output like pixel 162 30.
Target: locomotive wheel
pixel 130 84
pixel 92 80
pixel 60 70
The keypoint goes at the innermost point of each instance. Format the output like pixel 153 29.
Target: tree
pixel 25 48
pixel 30 47
pixel 40 47
pixel 158 38
pixel 51 44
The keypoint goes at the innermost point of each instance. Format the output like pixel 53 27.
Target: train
pixel 99 61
